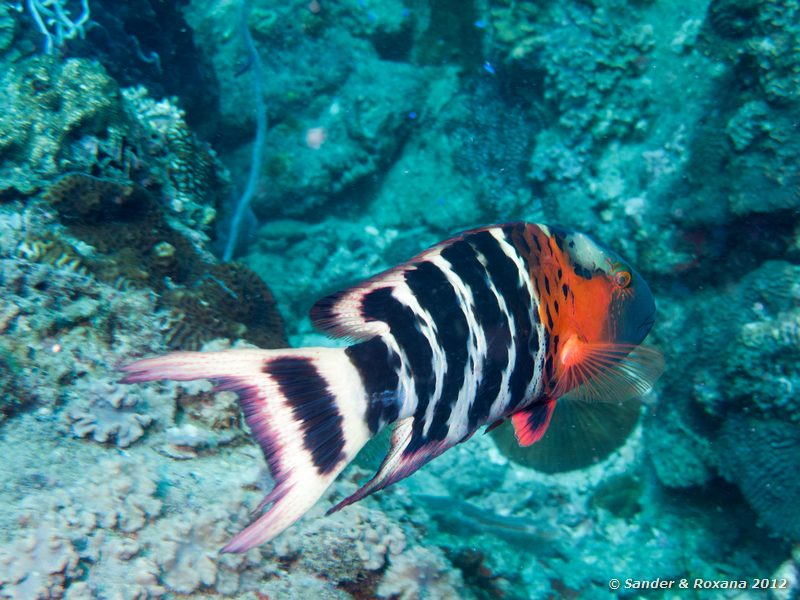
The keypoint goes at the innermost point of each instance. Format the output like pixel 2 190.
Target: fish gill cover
pixel 667 131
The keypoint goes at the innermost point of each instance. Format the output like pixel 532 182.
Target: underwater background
pixel 195 174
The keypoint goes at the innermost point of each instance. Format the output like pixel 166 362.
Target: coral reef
pixel 107 412
pixel 38 565
pixel 760 457
pixel 420 573
pixel 668 132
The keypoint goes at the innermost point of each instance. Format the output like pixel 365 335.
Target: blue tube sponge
pixel 243 204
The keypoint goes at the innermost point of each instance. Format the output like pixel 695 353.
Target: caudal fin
pixel 306 409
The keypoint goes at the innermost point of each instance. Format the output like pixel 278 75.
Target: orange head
pixel 597 310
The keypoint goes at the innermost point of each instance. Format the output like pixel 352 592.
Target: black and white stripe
pixel 463 336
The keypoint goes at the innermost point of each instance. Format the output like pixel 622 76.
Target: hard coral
pixel 762 457
pixel 343 546
pixel 132 240
pixel 115 568
pixel 49 104
pixel 122 495
pixel 108 413
pixel 187 553
pixel 421 573
pixel 38 564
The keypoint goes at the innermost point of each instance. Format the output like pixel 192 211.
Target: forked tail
pixel 306 409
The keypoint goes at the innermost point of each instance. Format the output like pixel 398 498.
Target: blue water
pixel 194 175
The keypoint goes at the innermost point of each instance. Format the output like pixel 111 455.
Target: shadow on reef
pixel 581 434
pixel 146 42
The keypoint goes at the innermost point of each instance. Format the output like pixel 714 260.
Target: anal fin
pixel 531 423
pixel 398 463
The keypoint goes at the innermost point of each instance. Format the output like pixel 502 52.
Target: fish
pixel 493 325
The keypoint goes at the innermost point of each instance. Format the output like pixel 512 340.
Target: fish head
pixel 608 311
pixel 609 291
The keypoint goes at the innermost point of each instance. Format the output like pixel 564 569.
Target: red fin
pixel 609 372
pixel 531 423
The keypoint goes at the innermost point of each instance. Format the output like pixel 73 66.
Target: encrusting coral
pixel 108 413
pixel 420 573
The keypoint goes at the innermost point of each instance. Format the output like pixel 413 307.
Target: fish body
pixel 496 323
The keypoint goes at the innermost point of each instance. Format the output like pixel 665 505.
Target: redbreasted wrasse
pixel 496 323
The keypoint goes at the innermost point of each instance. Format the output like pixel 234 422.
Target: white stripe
pixel 503 398
pixel 403 294
pixel 510 252
pixel 344 382
pixel 458 421
pixel 534 386
pixel 406 392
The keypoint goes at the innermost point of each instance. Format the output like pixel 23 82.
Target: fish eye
pixel 622 278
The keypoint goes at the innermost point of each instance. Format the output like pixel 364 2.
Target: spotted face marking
pixel 586 294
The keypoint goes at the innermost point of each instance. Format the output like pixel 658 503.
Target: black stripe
pixel 461 255
pixel 313 404
pixel 436 295
pixel 506 278
pixel 377 365
pixel 252 403
pixel 380 305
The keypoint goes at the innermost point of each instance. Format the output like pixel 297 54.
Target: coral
pixel 760 44
pixel 362 129
pixel 477 575
pixel 132 240
pixel 49 104
pixel 621 495
pixel 195 175
pixel 122 495
pixel 492 148
pixel 108 413
pixel 8 26
pixel 681 458
pixel 63 319
pixel 764 367
pixel 38 564
pixel 762 458
pixel 344 546
pixel 54 126
pixel 420 573
pixel 187 553
pixel 116 568
pixel 789 571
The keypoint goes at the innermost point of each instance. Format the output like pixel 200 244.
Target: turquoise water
pixel 195 175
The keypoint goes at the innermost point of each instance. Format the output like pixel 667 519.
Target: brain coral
pixel 762 457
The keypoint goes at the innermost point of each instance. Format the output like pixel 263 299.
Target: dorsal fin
pixel 355 313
